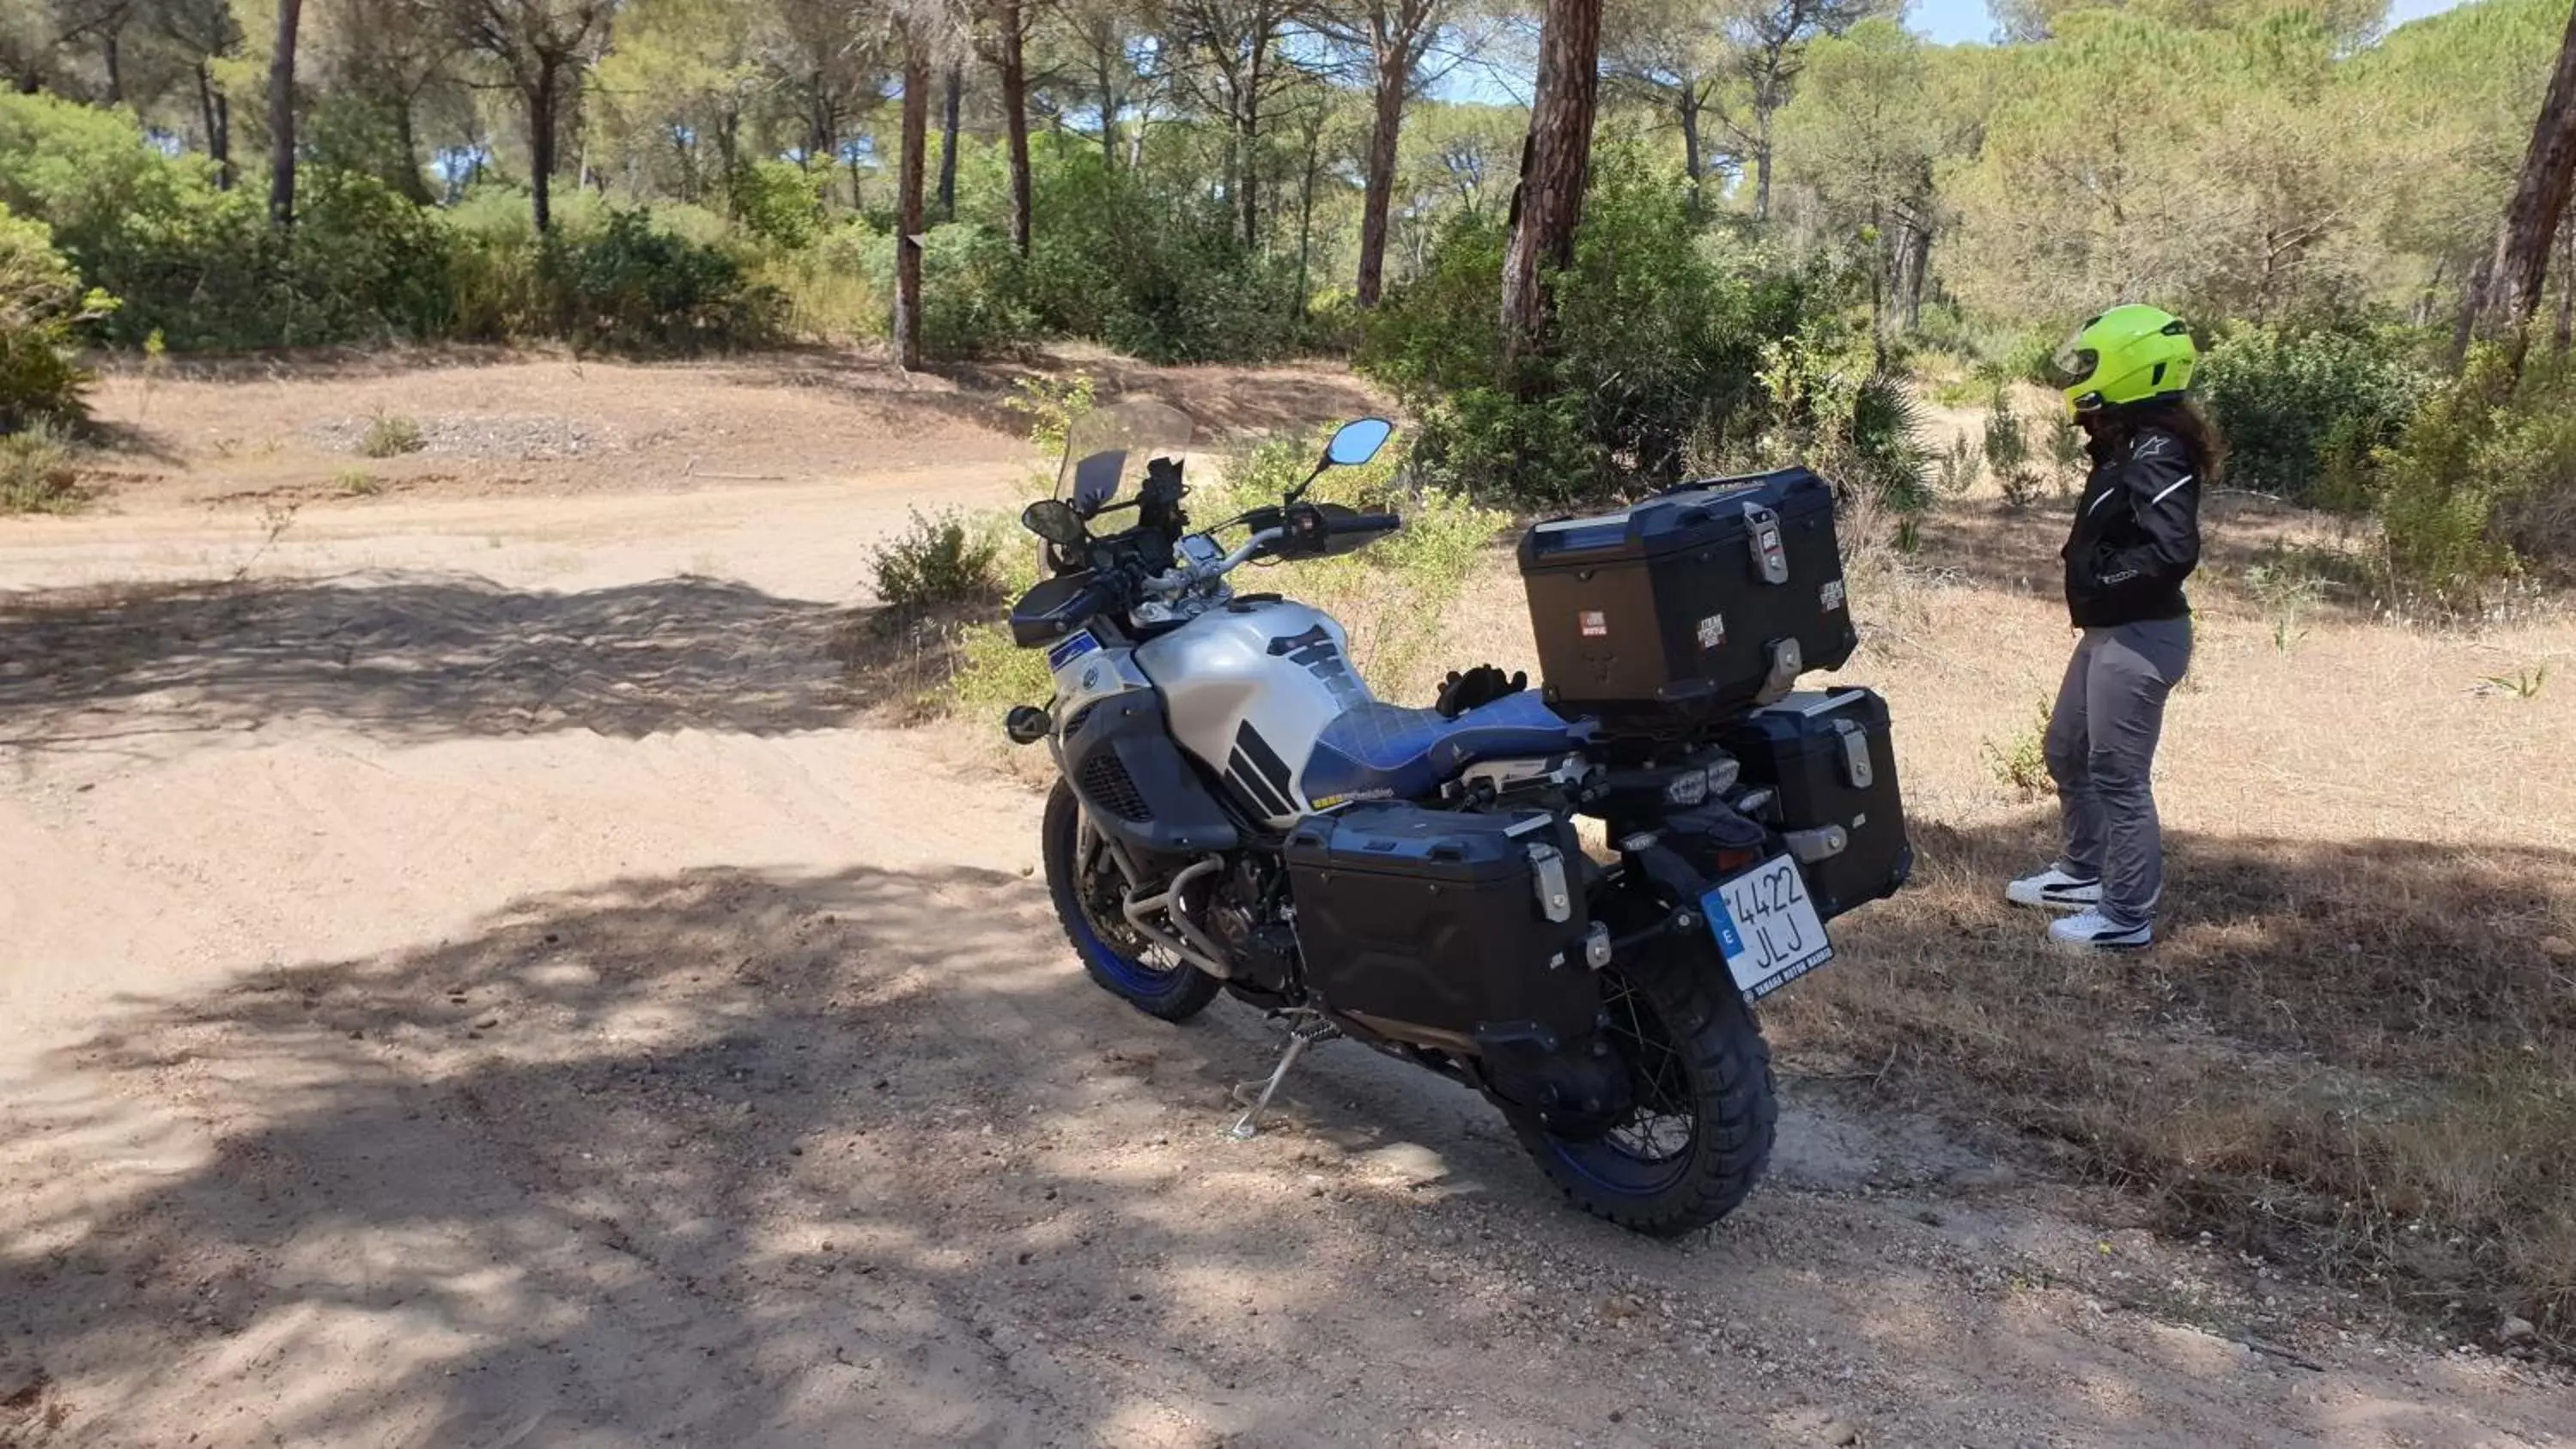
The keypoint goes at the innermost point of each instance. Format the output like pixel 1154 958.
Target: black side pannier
pixel 1443 927
pixel 1692 606
pixel 1831 763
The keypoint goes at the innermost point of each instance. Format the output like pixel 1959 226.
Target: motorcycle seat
pixel 1383 751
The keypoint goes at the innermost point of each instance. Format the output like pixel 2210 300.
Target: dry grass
pixel 2356 1047
pixel 37 473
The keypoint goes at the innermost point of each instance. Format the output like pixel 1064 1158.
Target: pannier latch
pixel 1554 901
pixel 1787 663
pixel 1762 534
pixel 1856 770
pixel 1822 843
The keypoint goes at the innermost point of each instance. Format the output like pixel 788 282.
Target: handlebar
pixel 1189 576
pixel 1186 576
pixel 1364 523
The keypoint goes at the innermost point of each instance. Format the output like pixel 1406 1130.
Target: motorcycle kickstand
pixel 1300 1037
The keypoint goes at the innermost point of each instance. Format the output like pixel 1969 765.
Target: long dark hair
pixel 2113 426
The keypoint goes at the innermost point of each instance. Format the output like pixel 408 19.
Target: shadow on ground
pixel 409 656
pixel 759 1157
pixel 2356 1053
pixel 690 1157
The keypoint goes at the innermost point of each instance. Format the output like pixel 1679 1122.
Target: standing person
pixel 2136 538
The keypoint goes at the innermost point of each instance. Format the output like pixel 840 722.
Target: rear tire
pixel 1120 961
pixel 1701 1133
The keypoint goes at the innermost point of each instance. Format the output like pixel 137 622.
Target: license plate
pixel 1766 925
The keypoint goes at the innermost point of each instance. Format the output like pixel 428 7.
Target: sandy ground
pixel 480 981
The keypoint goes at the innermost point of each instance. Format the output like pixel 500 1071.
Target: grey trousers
pixel 2101 750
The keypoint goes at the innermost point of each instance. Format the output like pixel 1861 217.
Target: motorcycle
pixel 1236 813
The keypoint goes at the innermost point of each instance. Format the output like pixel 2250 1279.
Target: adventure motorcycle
pixel 1236 812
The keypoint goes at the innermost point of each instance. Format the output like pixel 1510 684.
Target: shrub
pixel 2483 481
pixel 36 473
pixel 2020 763
pixel 2008 453
pixel 637 288
pixel 386 437
pixel 40 302
pixel 2298 407
pixel 1615 405
pixel 1832 408
pixel 203 266
pixel 941 559
pixel 1956 470
pixel 972 297
pixel 832 291
pixel 1181 288
pixel 779 202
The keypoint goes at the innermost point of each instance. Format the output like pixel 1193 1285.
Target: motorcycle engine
pixel 1242 913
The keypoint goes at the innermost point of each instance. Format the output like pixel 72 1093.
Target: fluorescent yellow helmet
pixel 2128 354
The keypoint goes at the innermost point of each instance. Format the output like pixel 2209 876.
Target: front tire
pixel 1120 961
pixel 1700 1135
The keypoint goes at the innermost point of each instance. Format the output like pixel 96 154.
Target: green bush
pixel 36 473
pixel 780 203
pixel 389 436
pixel 1615 404
pixel 1830 406
pixel 2482 486
pixel 2299 408
pixel 972 297
pixel 41 301
pixel 834 290
pixel 203 266
pixel 637 288
pixel 1178 288
pixel 942 559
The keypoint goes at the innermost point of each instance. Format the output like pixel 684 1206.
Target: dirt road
pixel 480 981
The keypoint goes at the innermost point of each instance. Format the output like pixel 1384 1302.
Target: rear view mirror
pixel 1054 520
pixel 1358 442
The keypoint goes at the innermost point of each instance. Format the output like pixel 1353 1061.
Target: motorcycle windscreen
pixel 1106 451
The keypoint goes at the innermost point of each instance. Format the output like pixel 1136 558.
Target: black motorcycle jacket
pixel 2137 532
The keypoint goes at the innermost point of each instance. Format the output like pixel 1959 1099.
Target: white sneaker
pixel 2092 931
pixel 2054 890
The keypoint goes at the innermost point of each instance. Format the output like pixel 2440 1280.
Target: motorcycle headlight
pixel 1686 788
pixel 1723 775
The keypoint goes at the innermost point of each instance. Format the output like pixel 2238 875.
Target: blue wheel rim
pixel 1128 973
pixel 1608 1163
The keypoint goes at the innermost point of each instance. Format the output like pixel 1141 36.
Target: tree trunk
pixel 1554 164
pixel 907 207
pixel 1762 168
pixel 541 141
pixel 1687 103
pixel 407 136
pixel 1306 206
pixel 2511 282
pixel 115 69
pixel 1108 109
pixel 281 116
pixel 1919 244
pixel 1380 195
pixel 1249 140
pixel 1015 122
pixel 948 143
pixel 219 139
pixel 2565 333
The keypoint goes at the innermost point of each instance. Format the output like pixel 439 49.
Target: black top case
pixel 1692 606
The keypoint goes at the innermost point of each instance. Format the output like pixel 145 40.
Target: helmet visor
pixel 2073 362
